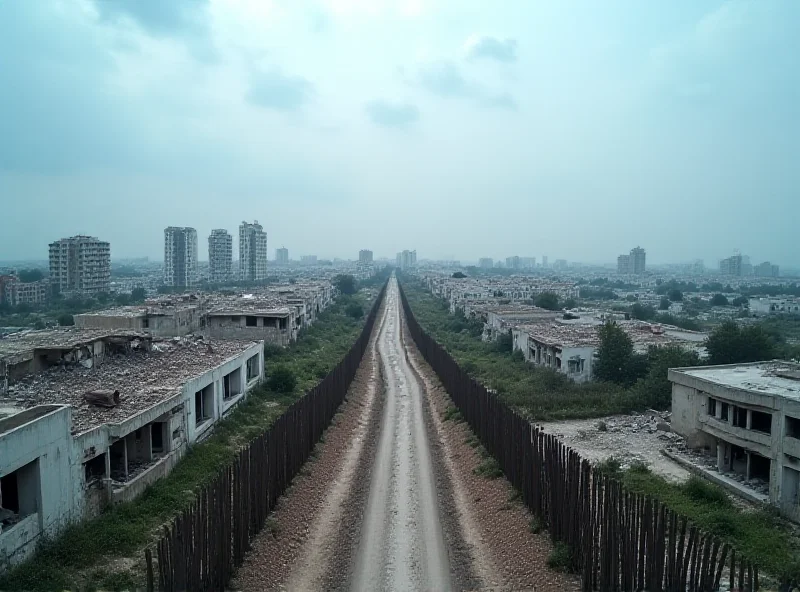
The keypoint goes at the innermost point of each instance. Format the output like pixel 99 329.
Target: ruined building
pixel 365 256
pixel 220 256
pixel 252 252
pixel 80 266
pixel 180 256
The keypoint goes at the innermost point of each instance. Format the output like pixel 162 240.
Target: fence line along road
pixel 208 540
pixel 618 540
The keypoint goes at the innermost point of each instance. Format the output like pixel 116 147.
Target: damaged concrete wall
pixel 42 449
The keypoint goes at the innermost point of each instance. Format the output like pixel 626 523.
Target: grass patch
pixel 472 441
pixel 124 530
pixel 514 495
pixel 452 413
pixel 535 525
pixel 272 527
pixel 760 535
pixel 560 558
pixel 489 468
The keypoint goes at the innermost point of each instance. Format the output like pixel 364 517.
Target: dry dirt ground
pixel 391 501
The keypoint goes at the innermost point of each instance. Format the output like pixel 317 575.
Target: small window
pixel 712 406
pixel 235 319
pixel 20 491
pixel 251 321
pixel 145 323
pixel 724 411
pixel 739 417
pixel 252 367
pixel 157 437
pixel 761 422
pixel 204 404
pixel 95 468
pixel 792 427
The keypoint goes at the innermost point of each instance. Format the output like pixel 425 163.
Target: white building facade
pixel 252 252
pixel 180 257
pixel 220 256
pixel 80 265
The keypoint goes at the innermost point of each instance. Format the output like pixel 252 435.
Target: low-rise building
pixel 15 292
pixel 79 436
pixel 764 306
pixel 164 317
pixel 748 416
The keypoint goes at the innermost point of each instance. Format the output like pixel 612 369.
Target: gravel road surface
pixel 402 544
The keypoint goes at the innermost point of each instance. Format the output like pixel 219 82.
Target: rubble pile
pixel 142 378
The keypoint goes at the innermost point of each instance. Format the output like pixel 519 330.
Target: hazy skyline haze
pixel 462 128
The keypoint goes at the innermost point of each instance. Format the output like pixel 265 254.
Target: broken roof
pixel 21 345
pixel 767 378
pixel 142 378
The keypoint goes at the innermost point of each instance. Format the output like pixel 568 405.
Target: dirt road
pixel 402 544
pixel 391 500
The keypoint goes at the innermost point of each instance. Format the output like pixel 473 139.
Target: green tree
pixel 570 303
pixel 66 320
pixel 547 300
pixel 354 310
pixel 281 380
pixel 664 304
pixel 459 275
pixel 345 283
pixel 642 312
pixel 731 344
pixel 655 388
pixel 719 300
pixel 138 295
pixel 741 301
pixel 675 295
pixel 614 355
pixel 505 343
pixel 123 299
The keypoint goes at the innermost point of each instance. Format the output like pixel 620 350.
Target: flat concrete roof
pixel 142 378
pixel 767 378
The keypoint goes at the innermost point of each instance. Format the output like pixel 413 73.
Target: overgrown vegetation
pixel 560 558
pixel 539 393
pixel 73 559
pixel 758 534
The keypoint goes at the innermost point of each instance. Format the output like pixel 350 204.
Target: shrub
pixel 560 558
pixel 639 466
pixel 702 491
pixel 602 426
pixel 282 380
pixel 66 320
pixel 354 310
pixel 535 525
pixel 489 468
pixel 610 467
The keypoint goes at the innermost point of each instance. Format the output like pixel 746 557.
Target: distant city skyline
pixel 598 126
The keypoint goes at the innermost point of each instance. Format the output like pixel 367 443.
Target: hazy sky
pixel 461 128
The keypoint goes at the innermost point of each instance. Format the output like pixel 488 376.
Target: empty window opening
pixel 283 324
pixel 712 406
pixel 95 468
pixel 157 437
pixel 204 404
pixel 20 492
pixel 761 422
pixel 558 363
pixel 145 323
pixel 232 384
pixel 739 417
pixel 252 368
pixel 251 321
pixel 724 411
pixel 235 319
pixel 759 467
pixel 738 460
pixel 119 460
pixel 792 427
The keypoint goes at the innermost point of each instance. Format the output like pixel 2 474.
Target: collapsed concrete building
pixel 747 416
pixel 89 419
pixel 273 314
